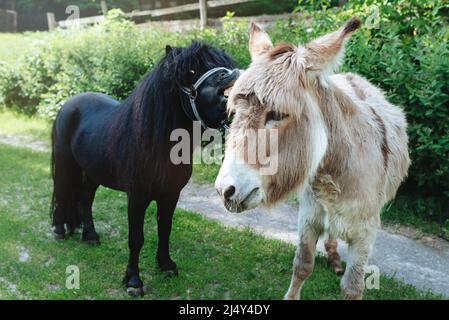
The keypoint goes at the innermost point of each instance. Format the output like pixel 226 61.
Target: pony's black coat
pixel 126 146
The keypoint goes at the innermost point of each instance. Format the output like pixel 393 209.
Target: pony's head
pixel 279 92
pixel 202 73
pixel 161 103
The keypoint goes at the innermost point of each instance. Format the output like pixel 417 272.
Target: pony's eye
pixel 192 71
pixel 275 116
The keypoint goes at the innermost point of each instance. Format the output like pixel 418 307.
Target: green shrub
pixel 109 58
pixel 21 87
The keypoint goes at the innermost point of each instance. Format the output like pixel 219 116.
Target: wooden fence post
pixel 52 24
pixel 203 14
pixel 104 7
pixel 14 21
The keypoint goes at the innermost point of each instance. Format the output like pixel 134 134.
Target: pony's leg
pixel 67 185
pixel 333 257
pixel 136 214
pixel 87 198
pixel 166 208
pixel 58 223
pixel 353 282
pixel 309 232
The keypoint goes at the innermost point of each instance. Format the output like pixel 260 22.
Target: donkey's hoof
pixel 135 292
pixel 339 270
pixel 337 266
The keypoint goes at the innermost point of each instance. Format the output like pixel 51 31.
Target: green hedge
pixel 403 48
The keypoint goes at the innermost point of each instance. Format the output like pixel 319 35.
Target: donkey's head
pixel 278 93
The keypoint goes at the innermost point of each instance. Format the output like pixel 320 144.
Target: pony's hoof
pixel 169 268
pixel 171 273
pixel 59 232
pixel 134 286
pixel 70 231
pixel 92 242
pixel 135 292
pixel 59 236
pixel 91 239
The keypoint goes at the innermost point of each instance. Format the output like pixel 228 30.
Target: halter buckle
pixel 193 93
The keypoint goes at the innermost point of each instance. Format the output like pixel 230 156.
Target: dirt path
pixel 424 265
pixel 24 142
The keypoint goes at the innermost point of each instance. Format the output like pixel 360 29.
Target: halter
pixel 193 93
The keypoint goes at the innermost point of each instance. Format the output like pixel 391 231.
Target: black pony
pixel 126 146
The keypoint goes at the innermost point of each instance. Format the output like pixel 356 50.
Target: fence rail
pixel 201 5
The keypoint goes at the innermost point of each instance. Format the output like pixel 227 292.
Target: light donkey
pixel 341 144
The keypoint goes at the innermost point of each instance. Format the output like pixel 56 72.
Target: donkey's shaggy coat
pixel 341 144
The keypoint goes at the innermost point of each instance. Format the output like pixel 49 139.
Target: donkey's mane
pixel 148 116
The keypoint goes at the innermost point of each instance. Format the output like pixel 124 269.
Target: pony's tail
pixel 67 182
pixel 52 171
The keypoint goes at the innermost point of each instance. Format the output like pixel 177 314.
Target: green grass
pixel 205 173
pixel 406 210
pixel 215 262
pixel 15 45
pixel 31 129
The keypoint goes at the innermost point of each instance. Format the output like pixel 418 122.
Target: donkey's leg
pixel 303 262
pixel 333 257
pixel 309 227
pixel 136 215
pixel 165 212
pixel 353 282
pixel 87 198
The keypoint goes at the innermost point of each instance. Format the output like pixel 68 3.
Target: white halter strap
pixel 193 93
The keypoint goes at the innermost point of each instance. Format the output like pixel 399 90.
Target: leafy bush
pixel 109 58
pixel 403 48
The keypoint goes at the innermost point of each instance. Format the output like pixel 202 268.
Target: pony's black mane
pixel 141 131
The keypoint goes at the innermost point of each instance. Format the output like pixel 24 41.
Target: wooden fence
pixel 8 21
pixel 201 6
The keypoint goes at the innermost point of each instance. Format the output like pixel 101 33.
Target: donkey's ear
pixel 168 49
pixel 326 53
pixel 259 41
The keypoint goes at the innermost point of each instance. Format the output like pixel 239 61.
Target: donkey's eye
pixel 275 116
